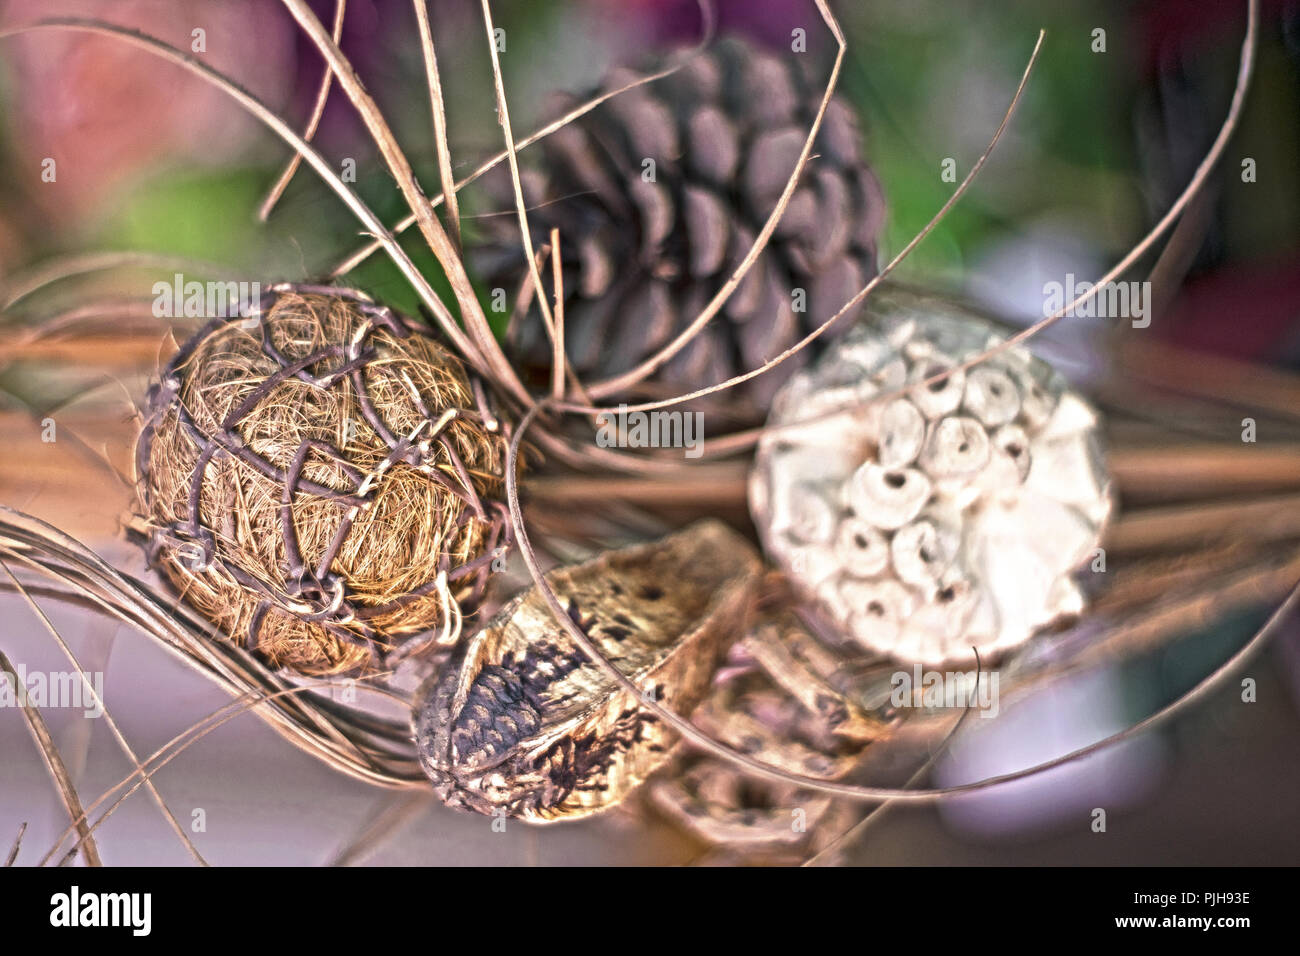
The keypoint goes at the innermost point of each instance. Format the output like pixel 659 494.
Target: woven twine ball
pixel 949 518
pixel 314 479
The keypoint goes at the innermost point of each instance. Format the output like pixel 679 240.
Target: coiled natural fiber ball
pixel 314 478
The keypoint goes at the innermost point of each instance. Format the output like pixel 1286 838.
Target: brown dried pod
pixel 785 698
pixel 313 478
pixel 522 722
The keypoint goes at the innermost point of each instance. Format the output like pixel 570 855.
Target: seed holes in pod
pixel 1014 443
pixel 888 498
pixel 969 481
pixel 902 433
pixel 940 398
pixel 921 553
pixel 991 396
pixel 876 611
pixel 860 548
pixel 958 446
pixel 946 595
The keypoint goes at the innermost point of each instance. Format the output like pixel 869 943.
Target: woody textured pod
pixel 522 722
pixel 951 517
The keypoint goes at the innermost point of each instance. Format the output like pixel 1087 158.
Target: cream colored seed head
pixel 965 506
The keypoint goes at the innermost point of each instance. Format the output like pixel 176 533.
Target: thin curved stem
pixel 195 732
pixel 1196 183
pixel 53 762
pixel 866 290
pixel 67 267
pixel 313 121
pixel 439 111
pixel 481 347
pixel 521 208
pixel 108 718
pixel 366 251
pixel 1194 186
pixel 642 371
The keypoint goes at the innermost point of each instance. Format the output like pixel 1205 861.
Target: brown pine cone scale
pixel 658 194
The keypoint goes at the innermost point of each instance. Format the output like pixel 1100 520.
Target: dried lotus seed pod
pixel 902 434
pixel 991 396
pixel 860 548
pixel 956 447
pixel 939 398
pixel 986 489
pixel 887 499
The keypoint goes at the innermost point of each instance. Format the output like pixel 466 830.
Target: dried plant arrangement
pixel 709 634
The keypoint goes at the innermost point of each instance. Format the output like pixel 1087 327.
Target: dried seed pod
pixel 802 668
pixel 985 523
pixel 921 552
pixel 1012 441
pixel 957 447
pixel 786 699
pixel 709 800
pixel 887 499
pixel 902 434
pixel 523 722
pixel 938 398
pixel 315 479
pixel 991 396
pixel 862 550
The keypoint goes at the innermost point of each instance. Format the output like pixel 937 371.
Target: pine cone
pixel 645 246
